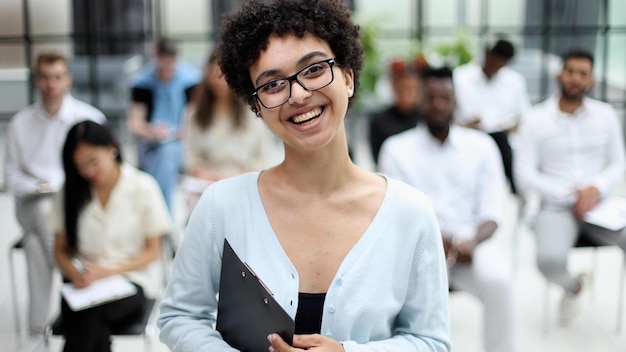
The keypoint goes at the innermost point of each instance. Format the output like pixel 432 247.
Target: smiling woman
pixel 326 237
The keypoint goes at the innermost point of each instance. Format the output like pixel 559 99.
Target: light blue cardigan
pixel 389 294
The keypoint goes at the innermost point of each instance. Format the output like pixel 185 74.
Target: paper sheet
pixel 610 213
pixel 99 292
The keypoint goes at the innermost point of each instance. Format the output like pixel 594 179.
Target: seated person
pixel 33 173
pixel 571 153
pixel 223 138
pixel 108 220
pixel 460 172
pixel 404 113
pixel 159 95
pixel 491 97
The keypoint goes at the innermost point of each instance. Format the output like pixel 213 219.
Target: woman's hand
pixel 315 342
pixel 96 271
pixel 82 280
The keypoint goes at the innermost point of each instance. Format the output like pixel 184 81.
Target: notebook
pixel 247 312
pixel 99 292
pixel 610 213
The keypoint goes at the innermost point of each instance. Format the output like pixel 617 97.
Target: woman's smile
pixel 307 118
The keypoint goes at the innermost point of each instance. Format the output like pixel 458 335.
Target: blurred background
pixel 108 41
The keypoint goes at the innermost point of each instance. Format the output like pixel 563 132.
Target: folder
pixel 610 213
pixel 247 312
pixel 99 292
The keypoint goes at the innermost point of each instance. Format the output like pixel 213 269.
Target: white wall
pixel 397 15
pixel 617 45
pixel 186 16
pixel 181 17
pixel 46 17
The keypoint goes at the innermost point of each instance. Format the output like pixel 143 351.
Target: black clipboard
pixel 246 311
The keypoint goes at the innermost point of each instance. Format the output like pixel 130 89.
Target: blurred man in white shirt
pixel 459 170
pixel 33 171
pixel 571 153
pixel 492 97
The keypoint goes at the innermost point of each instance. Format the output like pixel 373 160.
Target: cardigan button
pixel 331 308
pixel 329 334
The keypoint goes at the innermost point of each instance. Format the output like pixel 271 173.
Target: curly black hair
pixel 245 35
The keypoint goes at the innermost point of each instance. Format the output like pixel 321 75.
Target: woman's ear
pixel 348 75
pixel 257 109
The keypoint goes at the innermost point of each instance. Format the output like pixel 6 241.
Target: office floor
pixel 594 330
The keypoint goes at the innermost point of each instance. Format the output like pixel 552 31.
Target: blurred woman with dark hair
pixel 223 139
pixel 108 220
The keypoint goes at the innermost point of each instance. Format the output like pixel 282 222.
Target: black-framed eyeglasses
pixel 313 77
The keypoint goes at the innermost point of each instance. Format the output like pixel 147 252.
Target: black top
pixel 146 96
pixel 309 314
pixel 388 122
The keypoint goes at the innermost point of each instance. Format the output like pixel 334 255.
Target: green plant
pixel 371 69
pixel 455 53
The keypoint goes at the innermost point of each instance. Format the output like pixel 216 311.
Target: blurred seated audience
pixel 460 172
pixel 108 220
pixel 404 113
pixel 571 154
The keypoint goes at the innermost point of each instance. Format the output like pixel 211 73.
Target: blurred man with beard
pixel 460 171
pixel 571 153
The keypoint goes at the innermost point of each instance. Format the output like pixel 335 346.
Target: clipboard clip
pixel 257 277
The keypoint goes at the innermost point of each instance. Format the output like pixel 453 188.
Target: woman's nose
pixel 298 93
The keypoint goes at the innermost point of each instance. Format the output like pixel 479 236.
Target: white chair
pixel 530 205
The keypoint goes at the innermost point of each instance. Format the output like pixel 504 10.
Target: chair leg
pixel 594 266
pixel 546 310
pixel 620 298
pixel 16 313
pixel 516 233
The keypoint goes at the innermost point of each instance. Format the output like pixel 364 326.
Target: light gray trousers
pixel 32 214
pixel 556 232
pixel 488 278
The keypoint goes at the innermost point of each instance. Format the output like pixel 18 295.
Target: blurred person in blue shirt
pixel 159 94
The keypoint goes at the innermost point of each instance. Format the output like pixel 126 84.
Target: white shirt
pixel 109 236
pixel 390 293
pixel 462 177
pixel 559 153
pixel 35 144
pixel 499 102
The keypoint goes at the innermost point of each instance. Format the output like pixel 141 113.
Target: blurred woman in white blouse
pixel 108 220
pixel 223 138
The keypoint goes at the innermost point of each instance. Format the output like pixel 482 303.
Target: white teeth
pixel 309 115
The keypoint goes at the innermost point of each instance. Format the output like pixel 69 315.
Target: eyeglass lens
pixel 312 77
